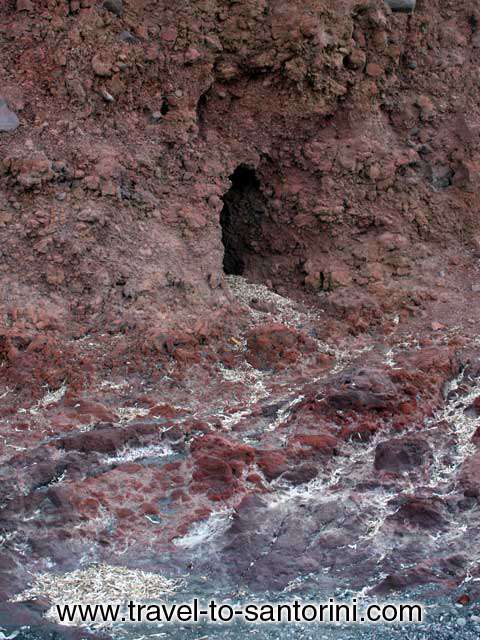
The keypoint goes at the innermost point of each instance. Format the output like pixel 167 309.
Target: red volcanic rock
pixel 374 70
pixel 149 509
pixel 447 572
pixel 130 467
pixel 29 170
pixel 360 432
pixel 221 447
pixel 397 582
pixel 358 308
pixel 212 468
pixel 101 66
pixel 198 176
pixel 323 443
pixel 90 504
pixel 474 409
pixel 255 478
pixel 470 476
pixel 36 362
pixel 356 59
pixel 24 5
pixel 402 454
pixel 102 440
pixel 420 512
pixel 301 474
pixel 125 514
pixel 435 360
pixel 133 227
pixel 476 435
pixel 275 346
pixel 164 411
pixel 181 346
pixel 218 465
pixel 108 439
pixel 362 390
pixel 87 410
pixel 272 463
pixel 60 497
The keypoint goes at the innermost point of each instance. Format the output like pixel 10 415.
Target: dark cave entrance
pixel 244 205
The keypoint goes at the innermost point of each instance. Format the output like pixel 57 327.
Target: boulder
pixel 402 454
pixel 106 440
pixel 362 390
pixel 323 443
pixel 29 170
pixel 114 6
pixel 219 465
pixel 301 474
pixel 470 476
pixel 275 346
pixel 272 463
pixel 424 513
pixel 8 119
pixel 402 6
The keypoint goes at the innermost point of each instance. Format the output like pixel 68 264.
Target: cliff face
pixel 359 128
pixel 238 247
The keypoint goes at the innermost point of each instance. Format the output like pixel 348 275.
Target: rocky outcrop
pixel 405 6
pixel 402 454
pixel 8 119
pixel 238 267
pixel 345 160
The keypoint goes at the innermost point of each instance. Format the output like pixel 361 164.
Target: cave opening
pixel 241 217
pixel 165 108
